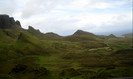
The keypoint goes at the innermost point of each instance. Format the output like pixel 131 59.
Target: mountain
pixel 80 36
pixel 9 29
pixel 111 36
pixel 18 40
pixel 43 36
pixel 32 42
pixel 35 32
pixel 81 32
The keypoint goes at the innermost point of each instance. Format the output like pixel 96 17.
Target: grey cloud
pixel 8 6
pixel 34 7
pixel 117 28
pixel 34 10
pixel 65 27
pixel 61 27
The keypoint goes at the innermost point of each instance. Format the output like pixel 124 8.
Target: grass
pixel 73 57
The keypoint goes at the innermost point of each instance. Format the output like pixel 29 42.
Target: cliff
pixel 8 22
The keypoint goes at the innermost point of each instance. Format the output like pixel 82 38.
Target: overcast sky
pixel 64 17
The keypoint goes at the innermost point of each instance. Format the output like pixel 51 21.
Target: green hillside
pixel 30 54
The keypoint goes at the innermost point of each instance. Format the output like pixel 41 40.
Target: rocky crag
pixel 8 22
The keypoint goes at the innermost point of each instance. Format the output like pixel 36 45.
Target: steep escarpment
pixel 8 22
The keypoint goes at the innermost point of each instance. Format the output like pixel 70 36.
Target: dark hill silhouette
pixel 81 32
pixel 111 36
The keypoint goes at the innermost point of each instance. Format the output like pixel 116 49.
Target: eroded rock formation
pixel 8 22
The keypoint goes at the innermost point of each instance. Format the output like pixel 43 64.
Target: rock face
pixel 32 30
pixel 7 22
pixel 18 23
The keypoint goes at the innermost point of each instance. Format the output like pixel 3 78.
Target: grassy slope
pixel 103 58
pixel 70 57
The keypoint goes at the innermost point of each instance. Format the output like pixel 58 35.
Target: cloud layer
pixel 66 16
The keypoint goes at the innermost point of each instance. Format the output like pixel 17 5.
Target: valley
pixel 30 54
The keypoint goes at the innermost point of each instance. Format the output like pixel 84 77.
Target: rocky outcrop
pixel 12 21
pixel 18 23
pixel 32 30
pixel 35 32
pixel 7 22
